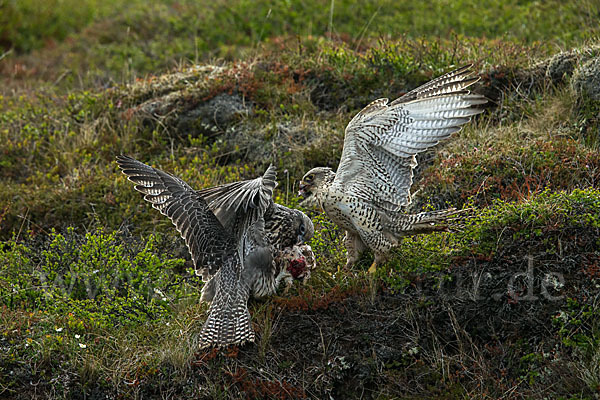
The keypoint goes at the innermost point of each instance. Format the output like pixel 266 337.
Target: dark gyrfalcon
pixel 367 194
pixel 234 233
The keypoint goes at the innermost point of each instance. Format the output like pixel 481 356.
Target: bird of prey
pixel 367 194
pixel 234 233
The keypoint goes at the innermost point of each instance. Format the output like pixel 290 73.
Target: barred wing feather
pixel 249 199
pixel 382 140
pixel 208 242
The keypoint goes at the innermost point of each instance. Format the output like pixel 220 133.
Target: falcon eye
pixel 310 177
pixel 302 229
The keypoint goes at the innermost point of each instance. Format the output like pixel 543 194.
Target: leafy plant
pixel 101 278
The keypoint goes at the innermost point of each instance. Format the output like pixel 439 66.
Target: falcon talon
pixel 372 269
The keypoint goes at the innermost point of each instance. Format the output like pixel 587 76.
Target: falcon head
pixel 306 229
pixel 314 181
pixel 286 227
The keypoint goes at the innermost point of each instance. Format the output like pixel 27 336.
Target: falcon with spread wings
pixel 241 242
pixel 367 194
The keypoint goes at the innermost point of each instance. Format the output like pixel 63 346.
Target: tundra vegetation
pixel 97 295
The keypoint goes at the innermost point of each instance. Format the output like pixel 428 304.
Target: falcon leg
pixel 379 259
pixel 354 246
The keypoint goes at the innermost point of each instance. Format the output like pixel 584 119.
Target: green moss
pixel 537 225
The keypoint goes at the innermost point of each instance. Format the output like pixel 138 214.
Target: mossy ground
pixel 97 299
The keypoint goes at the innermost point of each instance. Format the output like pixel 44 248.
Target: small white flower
pixel 161 294
pixel 83 346
pixel 58 329
pixel 77 336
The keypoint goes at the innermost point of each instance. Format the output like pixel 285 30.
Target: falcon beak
pixel 303 186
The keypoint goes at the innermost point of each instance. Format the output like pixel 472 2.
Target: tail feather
pixel 435 216
pixel 423 222
pixel 228 321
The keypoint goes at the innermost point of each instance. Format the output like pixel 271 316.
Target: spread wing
pixel 235 203
pixel 208 242
pixel 382 140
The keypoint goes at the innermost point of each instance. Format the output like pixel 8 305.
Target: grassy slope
pixel 298 89
pixel 27 24
pixel 118 41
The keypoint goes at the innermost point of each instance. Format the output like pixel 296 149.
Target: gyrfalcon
pixel 241 242
pixel 367 194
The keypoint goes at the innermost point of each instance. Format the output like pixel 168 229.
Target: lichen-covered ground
pixel 97 296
